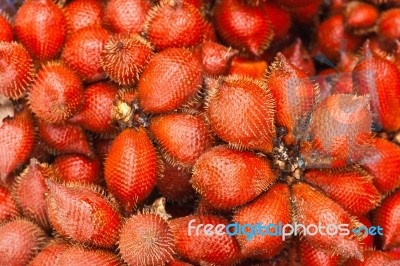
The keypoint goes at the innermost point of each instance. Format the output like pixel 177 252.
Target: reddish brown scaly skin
pixel 102 147
pixel 16 140
pixel 380 78
pixel 57 93
pixel 77 168
pixel 177 262
pixel 295 3
pixel 279 17
pixel 168 24
pixel 388 217
pixel 271 208
pixel 76 255
pixel 352 188
pixel 125 56
pixel 182 137
pixel 16 70
pixel 131 168
pixel 82 52
pixel 65 138
pixel 29 191
pixel 306 14
pixel 312 256
pixel 20 240
pixel 368 241
pixel 83 13
pixel 177 67
pixel 388 24
pixel 83 214
pixel 246 67
pixel 147 240
pixel 200 248
pixel 247 175
pixel 295 96
pixel 360 17
pixel 298 55
pixel 8 207
pixel 6 29
pixel 244 27
pixel 209 32
pixel 50 255
pixel 373 258
pixel 311 207
pixel 41 28
pixel 216 58
pixel 126 16
pixel 383 165
pixel 241 112
pixel 95 114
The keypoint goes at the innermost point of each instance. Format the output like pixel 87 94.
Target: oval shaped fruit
pixel 41 28
pixel 360 17
pixel 177 67
pixel 298 55
pixel 50 255
pixel 312 256
pixel 77 168
pixel 281 21
pixel 8 207
pixel 83 13
pixel 388 24
pixel 76 255
pixel 227 178
pixel 241 112
pixel 131 168
pixel 216 58
pixel 6 29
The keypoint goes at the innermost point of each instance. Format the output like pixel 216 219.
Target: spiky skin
pixel 50 255
pixel 298 55
pixel 216 58
pixel 280 18
pixel 244 27
pixel 177 262
pixel 241 112
pixel 360 17
pixel 131 167
pixel 77 168
pixel 8 207
pixel 95 114
pixel 352 188
pixel 82 52
pixel 57 93
pixel 16 140
pixel 83 13
pixel 382 164
pixel 182 137
pixel 6 29
pixel 65 138
pixel 277 202
pixel 201 248
pixel 373 258
pixel 16 70
pixel 40 27
pixel 312 256
pixel 168 23
pixel 147 240
pixel 245 67
pixel 388 217
pixel 76 255
pixel 125 56
pixel 295 97
pixel 126 16
pixel 246 174
pixel 20 240
pixel 83 214
pixel 177 67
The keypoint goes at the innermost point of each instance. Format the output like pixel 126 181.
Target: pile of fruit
pixel 123 122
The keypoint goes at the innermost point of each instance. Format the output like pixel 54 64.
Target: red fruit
pixel 178 68
pixel 299 57
pixel 16 70
pixel 295 3
pixel 65 138
pixel 102 147
pixel 82 52
pixel 352 188
pixel 388 217
pixel 146 239
pixel 174 23
pixel 76 255
pixel 295 96
pixel 50 255
pixel 216 58
pixel 16 142
pixel 57 93
pixel 124 58
pixel 96 112
pixel 368 241
pixel 360 17
pixel 40 27
pixel 29 191
pixel 373 258
pixel 8 208
pixel 177 262
pixel 251 68
pixel 6 29
pixel 201 248
pixel 312 256
pixel 20 240
pixel 209 32
pixel 389 23
pixel 126 16
pixel 314 208
pixel 83 213
pixel 241 112
pixel 379 78
pixel 279 17
pixel 247 175
pixel 182 137
pixel 245 27
pixel 83 13
pixel 130 168
pixel 77 168
pixel 383 163
pixel 306 14
pixel 271 208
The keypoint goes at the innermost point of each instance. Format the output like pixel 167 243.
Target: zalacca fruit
pixel 83 13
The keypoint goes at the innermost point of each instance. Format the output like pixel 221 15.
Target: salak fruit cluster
pixel 121 121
